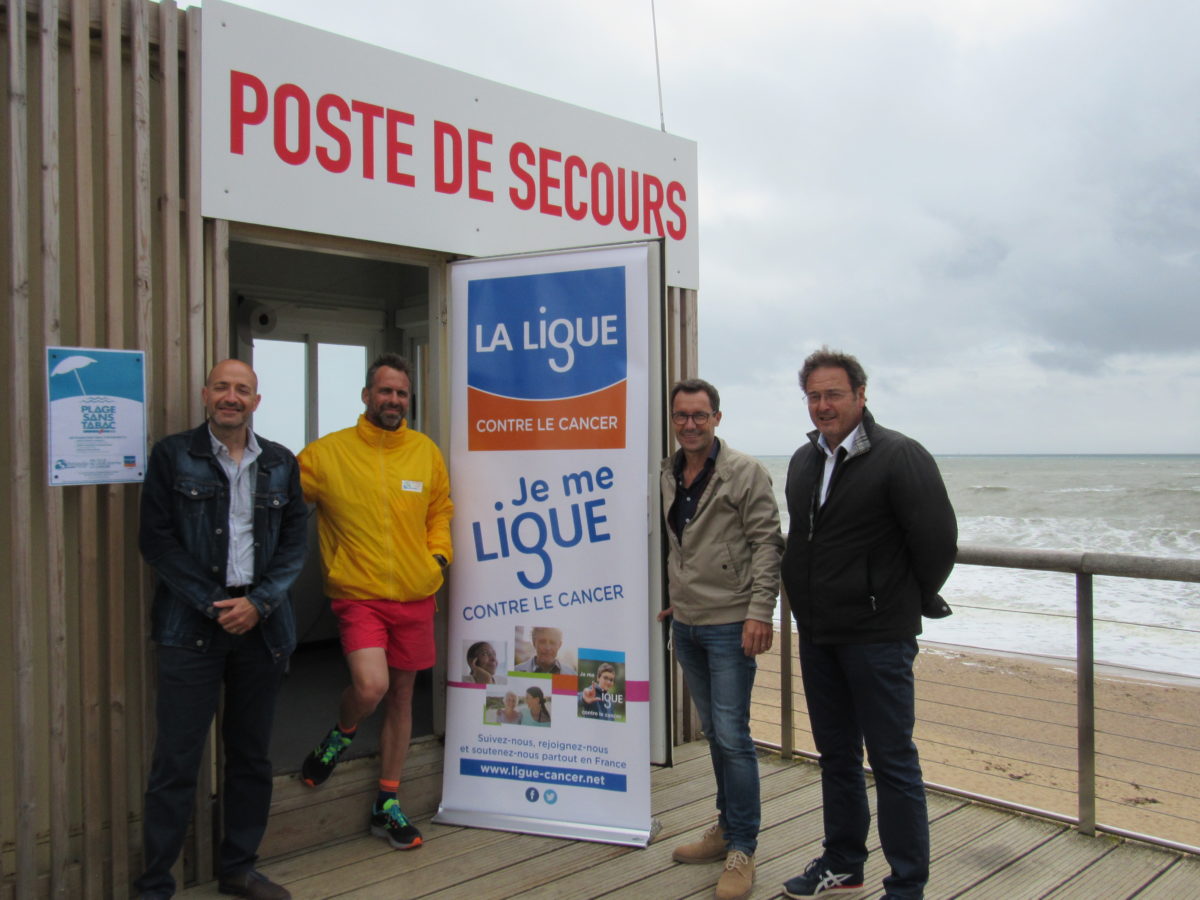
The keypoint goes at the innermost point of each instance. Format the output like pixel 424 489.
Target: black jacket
pixel 859 569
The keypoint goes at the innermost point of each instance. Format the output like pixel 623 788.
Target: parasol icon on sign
pixel 73 364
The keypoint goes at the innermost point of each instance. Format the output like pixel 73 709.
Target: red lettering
pixel 574 166
pixel 629 217
pixel 676 194
pixel 341 162
pixel 599 171
pixel 652 201
pixel 521 153
pixel 446 137
pixel 475 165
pixel 239 116
pixel 547 182
pixel 283 94
pixel 369 112
pixel 397 147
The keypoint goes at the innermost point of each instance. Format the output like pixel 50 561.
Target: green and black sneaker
pixel 319 764
pixel 391 823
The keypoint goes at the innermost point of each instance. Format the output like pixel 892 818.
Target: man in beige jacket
pixel 724 547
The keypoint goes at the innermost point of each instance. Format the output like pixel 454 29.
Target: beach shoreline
pixel 1005 726
pixel 1101 669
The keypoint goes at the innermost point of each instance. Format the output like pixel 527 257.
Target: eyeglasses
pixel 680 418
pixel 829 396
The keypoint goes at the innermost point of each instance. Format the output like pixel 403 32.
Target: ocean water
pixel 1147 505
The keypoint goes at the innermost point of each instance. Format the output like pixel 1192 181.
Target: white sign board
pixel 548 713
pixel 304 129
pixel 97 418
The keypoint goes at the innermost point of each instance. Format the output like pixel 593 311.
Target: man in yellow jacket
pixel 383 520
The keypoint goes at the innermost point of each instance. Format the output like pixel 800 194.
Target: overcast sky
pixel 994 204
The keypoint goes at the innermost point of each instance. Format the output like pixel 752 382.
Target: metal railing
pixel 1084 566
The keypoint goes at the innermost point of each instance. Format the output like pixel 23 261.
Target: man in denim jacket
pixel 223 527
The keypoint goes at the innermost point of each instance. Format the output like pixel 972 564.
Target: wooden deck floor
pixel 979 852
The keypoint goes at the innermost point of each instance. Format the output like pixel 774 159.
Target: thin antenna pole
pixel 662 122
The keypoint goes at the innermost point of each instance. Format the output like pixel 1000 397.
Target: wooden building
pixel 106 246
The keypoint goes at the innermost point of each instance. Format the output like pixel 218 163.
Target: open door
pixel 311 322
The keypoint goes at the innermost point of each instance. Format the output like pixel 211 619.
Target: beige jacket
pixel 727 568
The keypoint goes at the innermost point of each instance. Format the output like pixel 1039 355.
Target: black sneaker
pixel 391 823
pixel 319 764
pixel 818 879
pixel 252 884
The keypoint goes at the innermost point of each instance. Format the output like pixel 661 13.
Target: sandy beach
pixel 1004 726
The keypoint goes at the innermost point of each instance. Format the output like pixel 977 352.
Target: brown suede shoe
pixel 252 884
pixel 710 847
pixel 737 880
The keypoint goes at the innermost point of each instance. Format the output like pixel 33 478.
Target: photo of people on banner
pixel 601 685
pixel 526 702
pixel 483 662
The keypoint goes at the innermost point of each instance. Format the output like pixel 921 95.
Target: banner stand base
pixel 579 831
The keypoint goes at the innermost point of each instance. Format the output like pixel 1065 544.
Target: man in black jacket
pixel 872 540
pixel 223 527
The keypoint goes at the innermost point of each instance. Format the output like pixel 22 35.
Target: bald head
pixel 228 367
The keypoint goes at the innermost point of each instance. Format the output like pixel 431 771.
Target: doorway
pixel 310 321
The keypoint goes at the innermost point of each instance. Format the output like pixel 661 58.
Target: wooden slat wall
pixel 100 245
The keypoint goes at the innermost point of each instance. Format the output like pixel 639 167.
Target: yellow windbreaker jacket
pixel 383 511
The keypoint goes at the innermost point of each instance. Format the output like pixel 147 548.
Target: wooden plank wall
pixel 103 247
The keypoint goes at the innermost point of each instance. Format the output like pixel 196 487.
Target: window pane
pixel 341 371
pixel 281 380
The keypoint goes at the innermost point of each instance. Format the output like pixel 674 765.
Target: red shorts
pixel 403 630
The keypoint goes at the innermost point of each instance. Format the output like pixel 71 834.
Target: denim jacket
pixel 184 537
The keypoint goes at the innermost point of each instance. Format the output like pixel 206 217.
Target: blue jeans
pixel 189 685
pixel 720 677
pixel 860 693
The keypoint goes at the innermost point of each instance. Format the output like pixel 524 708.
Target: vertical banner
pixel 548 728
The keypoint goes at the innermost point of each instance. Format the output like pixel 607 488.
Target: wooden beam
pixel 196 369
pixel 88 556
pixel 114 296
pixel 170 368
pixel 219 284
pixel 136 750
pixel 20 545
pixel 56 590
pixel 202 823
pixel 173 363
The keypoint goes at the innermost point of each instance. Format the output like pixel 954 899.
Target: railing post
pixel 787 747
pixel 1085 688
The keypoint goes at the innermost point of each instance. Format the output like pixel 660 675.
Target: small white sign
pixel 97 415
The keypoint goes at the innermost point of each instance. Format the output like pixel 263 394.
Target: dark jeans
pixel 721 677
pixel 860 693
pixel 189 684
